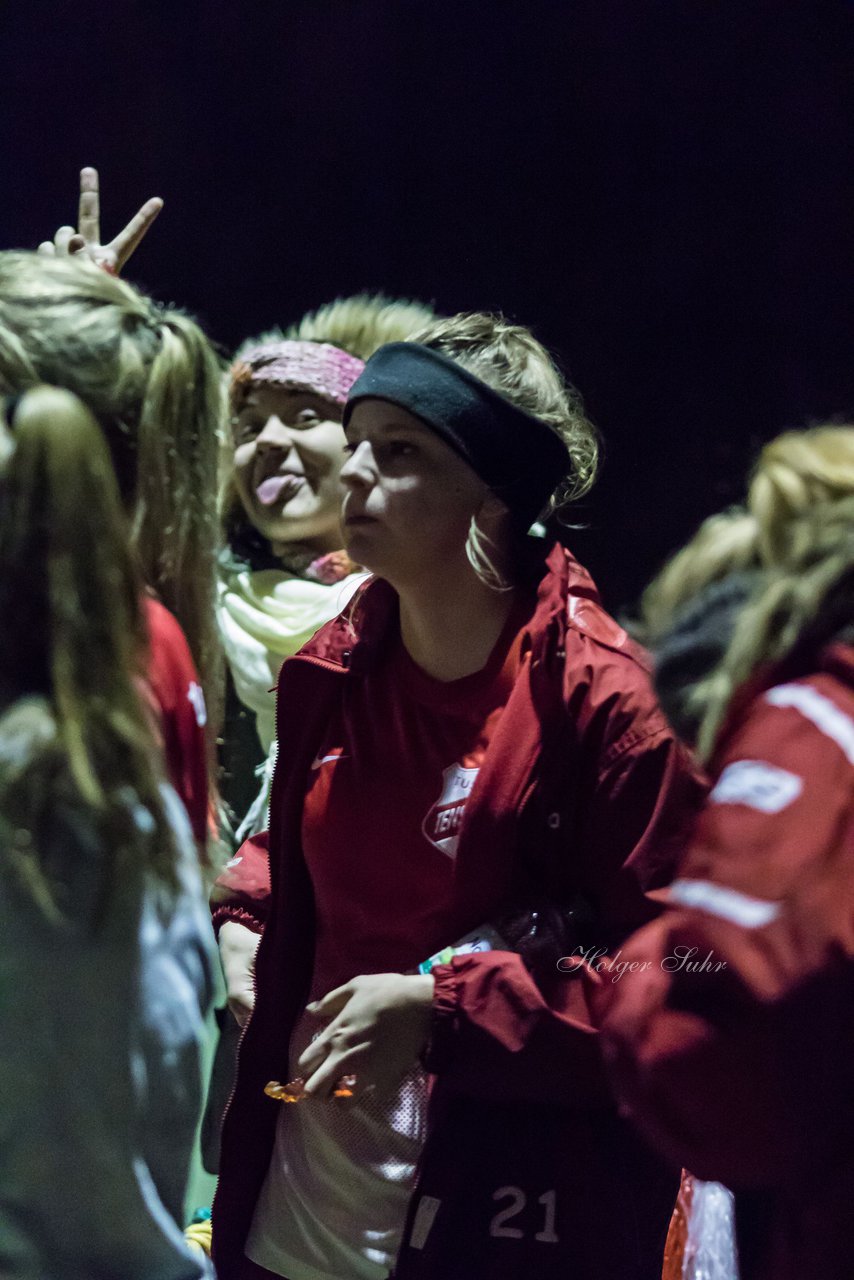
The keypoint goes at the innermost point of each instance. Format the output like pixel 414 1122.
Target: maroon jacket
pixel 742 1068
pixel 583 790
pixel 179 705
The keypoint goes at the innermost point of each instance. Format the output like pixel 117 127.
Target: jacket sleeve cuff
pixel 445 1019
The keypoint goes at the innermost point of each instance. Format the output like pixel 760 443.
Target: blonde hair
pixel 359 325
pixel 152 380
pixel 508 358
pixel 794 472
pixel 724 543
pixel 801 496
pixel 75 728
pixel 805 602
pixel 687 611
pixel 362 323
pixel 512 361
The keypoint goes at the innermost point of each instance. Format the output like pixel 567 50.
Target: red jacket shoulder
pixel 784 784
pixel 180 706
pixel 171 669
pixel 607 682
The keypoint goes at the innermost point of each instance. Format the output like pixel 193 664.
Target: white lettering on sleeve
pixel 758 785
pixel 196 699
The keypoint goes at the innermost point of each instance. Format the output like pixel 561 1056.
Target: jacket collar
pixel 354 639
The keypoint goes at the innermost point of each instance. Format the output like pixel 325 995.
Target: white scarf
pixel 265 615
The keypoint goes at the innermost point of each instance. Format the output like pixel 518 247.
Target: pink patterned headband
pixel 296 366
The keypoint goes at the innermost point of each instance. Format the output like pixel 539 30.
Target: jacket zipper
pixel 326 665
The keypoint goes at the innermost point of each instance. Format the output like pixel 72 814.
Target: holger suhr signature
pixel 610 964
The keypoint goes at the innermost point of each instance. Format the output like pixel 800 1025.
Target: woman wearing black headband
pixel 473 744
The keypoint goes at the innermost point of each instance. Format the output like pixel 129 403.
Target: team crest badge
pixel 441 826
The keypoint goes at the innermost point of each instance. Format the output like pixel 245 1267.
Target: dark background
pixel 662 190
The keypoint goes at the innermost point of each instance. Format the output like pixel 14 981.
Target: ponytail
pixel 153 382
pixel 73 635
pixel 803 604
pixel 175 526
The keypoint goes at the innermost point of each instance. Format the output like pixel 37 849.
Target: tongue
pixel 270 490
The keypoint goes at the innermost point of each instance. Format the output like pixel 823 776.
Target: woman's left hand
pixel 85 241
pixel 379 1024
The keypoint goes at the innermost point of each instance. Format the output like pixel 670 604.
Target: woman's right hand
pixel 237 949
pixel 85 241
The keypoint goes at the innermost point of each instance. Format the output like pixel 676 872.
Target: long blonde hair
pixel 804 604
pixel 794 472
pixel 802 497
pixel 74 725
pixel 153 382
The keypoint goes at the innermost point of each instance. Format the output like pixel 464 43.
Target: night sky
pixel 663 191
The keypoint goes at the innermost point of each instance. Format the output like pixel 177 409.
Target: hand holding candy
pixel 379 1023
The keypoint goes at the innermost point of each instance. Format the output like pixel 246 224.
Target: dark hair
pixel 687 653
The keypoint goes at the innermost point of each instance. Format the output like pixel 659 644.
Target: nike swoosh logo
pixel 319 760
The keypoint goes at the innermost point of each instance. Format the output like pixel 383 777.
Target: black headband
pixel 519 456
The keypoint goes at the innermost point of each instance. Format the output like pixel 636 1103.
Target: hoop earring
pixel 478 557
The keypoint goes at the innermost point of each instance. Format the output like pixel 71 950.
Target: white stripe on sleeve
pixel 728 904
pixel 823 713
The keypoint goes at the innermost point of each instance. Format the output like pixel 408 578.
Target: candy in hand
pixel 294 1090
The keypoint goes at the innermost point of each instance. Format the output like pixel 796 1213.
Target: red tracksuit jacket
pixel 742 1066
pixel 179 706
pixel 527 1169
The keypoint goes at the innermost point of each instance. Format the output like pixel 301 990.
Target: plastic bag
pixel 541 933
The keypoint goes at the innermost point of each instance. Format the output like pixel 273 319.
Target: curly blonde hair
pixel 801 497
pixel 794 472
pixel 513 362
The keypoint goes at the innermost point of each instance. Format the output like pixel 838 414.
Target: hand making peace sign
pixel 86 240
